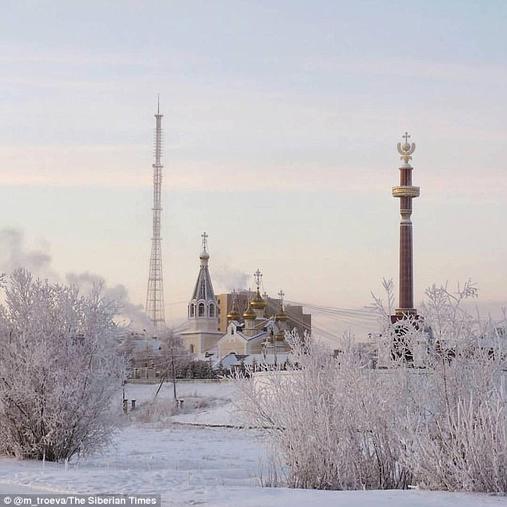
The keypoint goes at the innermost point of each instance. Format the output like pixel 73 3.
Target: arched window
pixel 211 310
pixel 192 310
pixel 201 309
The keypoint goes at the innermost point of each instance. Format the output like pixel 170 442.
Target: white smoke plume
pixel 134 313
pixel 14 254
pixel 229 279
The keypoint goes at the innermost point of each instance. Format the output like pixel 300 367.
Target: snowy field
pixel 189 463
pixel 213 400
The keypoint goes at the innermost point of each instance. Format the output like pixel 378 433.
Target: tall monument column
pixel 405 191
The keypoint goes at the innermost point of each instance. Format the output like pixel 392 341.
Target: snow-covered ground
pixel 190 464
pixel 187 465
pixel 224 390
pixel 208 403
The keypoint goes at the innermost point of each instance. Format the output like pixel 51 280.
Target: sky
pixel 281 120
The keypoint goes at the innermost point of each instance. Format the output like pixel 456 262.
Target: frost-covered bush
pixel 159 410
pixel 456 425
pixel 59 370
pixel 456 428
pixel 154 411
pixel 329 419
pixel 427 407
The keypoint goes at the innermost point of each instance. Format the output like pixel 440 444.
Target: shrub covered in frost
pixel 434 415
pixel 456 425
pixel 329 418
pixel 59 370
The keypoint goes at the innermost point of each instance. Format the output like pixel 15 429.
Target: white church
pixel 249 334
pixel 202 334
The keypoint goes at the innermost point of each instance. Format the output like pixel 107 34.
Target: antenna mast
pixel 155 293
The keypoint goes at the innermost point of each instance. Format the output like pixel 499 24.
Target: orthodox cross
pixel 258 278
pixel 406 137
pixel 204 237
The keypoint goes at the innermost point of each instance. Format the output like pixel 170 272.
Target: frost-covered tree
pixel 432 413
pixel 59 369
pixel 456 425
pixel 329 418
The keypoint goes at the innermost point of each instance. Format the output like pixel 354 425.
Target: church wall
pixel 209 341
pixel 201 341
pixel 192 342
pixel 231 343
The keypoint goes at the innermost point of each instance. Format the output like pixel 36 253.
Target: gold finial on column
pixel 406 149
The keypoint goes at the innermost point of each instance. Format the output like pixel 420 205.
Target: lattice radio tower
pixel 155 292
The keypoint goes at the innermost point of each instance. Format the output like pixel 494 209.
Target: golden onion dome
pixel 249 314
pixel 233 315
pixel 281 316
pixel 257 302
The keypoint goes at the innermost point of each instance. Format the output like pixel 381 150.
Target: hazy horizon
pixel 281 121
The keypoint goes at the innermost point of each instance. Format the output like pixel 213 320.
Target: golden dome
pixel 249 314
pixel 257 302
pixel 233 315
pixel 281 316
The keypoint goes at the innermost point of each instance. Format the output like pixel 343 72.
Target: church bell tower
pixel 202 331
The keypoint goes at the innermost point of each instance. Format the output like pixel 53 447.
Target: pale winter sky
pixel 281 121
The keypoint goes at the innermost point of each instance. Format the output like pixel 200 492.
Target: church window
pixel 201 309
pixel 211 310
pixel 191 348
pixel 192 310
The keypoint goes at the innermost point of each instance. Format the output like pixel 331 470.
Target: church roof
pixel 239 332
pixel 203 287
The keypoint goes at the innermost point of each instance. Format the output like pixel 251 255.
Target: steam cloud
pixel 87 281
pixel 15 254
pixel 230 279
